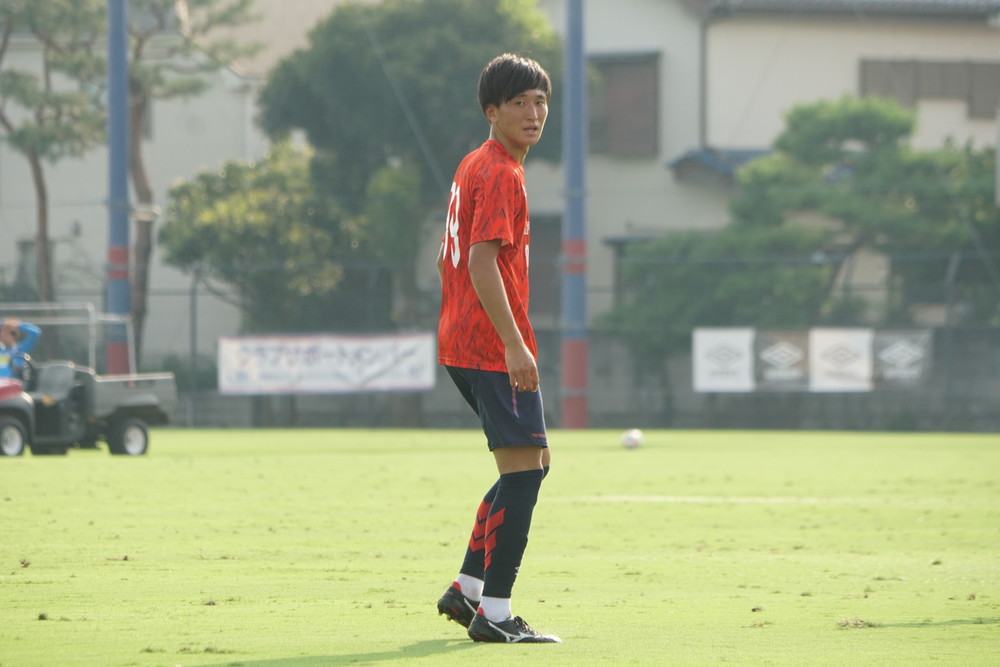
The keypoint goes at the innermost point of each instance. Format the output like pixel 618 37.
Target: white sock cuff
pixel 495 609
pixel 472 587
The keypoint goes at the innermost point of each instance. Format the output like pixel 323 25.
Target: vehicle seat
pixel 55 381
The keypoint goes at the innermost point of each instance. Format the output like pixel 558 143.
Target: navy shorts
pixel 509 417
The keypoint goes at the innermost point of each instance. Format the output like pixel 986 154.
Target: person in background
pixel 17 338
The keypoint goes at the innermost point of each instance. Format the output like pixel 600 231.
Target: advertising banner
pixel 326 364
pixel 782 360
pixel 840 360
pixel 902 358
pixel 817 360
pixel 723 360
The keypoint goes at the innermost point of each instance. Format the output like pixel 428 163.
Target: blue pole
pixel 118 296
pixel 574 246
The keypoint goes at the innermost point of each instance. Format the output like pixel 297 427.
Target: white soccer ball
pixel 632 438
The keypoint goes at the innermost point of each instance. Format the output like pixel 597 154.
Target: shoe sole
pixel 453 613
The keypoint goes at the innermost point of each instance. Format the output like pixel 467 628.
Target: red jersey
pixel 488 202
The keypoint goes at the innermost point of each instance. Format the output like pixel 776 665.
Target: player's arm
pixel 29 336
pixel 488 283
pixel 440 262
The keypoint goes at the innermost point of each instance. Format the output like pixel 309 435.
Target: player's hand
pixel 522 368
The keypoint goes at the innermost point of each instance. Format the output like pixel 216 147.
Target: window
pixel 546 269
pixel 909 81
pixel 624 105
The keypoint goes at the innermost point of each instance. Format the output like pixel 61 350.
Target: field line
pixel 756 500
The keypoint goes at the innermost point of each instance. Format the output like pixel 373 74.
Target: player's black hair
pixel 507 76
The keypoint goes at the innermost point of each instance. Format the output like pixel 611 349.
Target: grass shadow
pixel 419 649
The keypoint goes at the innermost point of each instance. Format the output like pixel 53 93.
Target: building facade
pixel 682 93
pixel 688 90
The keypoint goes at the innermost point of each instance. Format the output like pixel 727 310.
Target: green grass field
pixel 329 547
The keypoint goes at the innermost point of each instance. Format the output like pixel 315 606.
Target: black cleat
pixel 457 607
pixel 512 631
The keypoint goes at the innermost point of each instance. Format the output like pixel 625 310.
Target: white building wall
pixel 636 196
pixel 187 136
pixel 760 67
pixel 757 69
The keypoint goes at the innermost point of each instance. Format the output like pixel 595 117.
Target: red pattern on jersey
pixel 488 202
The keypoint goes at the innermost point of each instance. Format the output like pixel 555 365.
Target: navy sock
pixel 475 553
pixel 507 529
pixel 474 563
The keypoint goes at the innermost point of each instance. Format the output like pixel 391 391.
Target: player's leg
pixel 460 602
pixel 508 524
pixel 461 599
pixel 507 528
pixel 515 429
pixel 515 426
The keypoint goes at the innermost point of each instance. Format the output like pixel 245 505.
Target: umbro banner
pixel 818 360
pixel 902 358
pixel 723 360
pixel 781 360
pixel 840 360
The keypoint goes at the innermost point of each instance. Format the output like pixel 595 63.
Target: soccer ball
pixel 631 438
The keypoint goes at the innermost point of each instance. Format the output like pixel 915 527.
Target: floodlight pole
pixel 574 243
pixel 118 295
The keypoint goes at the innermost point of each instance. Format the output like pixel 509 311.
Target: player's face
pixel 518 122
pixel 8 336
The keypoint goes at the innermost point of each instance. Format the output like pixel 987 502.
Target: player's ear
pixel 491 112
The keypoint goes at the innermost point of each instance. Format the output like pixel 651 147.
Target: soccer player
pixel 487 345
pixel 16 339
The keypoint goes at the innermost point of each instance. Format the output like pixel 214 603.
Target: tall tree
pixel 385 93
pixel 49 108
pixel 172 50
pixel 263 232
pixel 849 161
pixel 740 276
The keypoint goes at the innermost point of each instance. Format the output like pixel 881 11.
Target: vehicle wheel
pixel 11 437
pixel 129 436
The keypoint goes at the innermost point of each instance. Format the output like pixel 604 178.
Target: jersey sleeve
pixel 29 336
pixel 494 220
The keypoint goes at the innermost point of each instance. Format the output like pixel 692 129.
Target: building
pixel 685 92
pixel 689 90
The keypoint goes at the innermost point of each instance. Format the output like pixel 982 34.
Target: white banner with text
pixel 840 360
pixel 326 364
pixel 723 360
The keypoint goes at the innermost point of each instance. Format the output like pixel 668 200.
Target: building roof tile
pixel 942 8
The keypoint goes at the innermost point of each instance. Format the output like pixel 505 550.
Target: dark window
pixel 895 79
pixel 943 80
pixel 984 90
pixel 624 105
pixel 546 269
pixel 908 81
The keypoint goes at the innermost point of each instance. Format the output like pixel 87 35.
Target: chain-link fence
pixel 960 393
